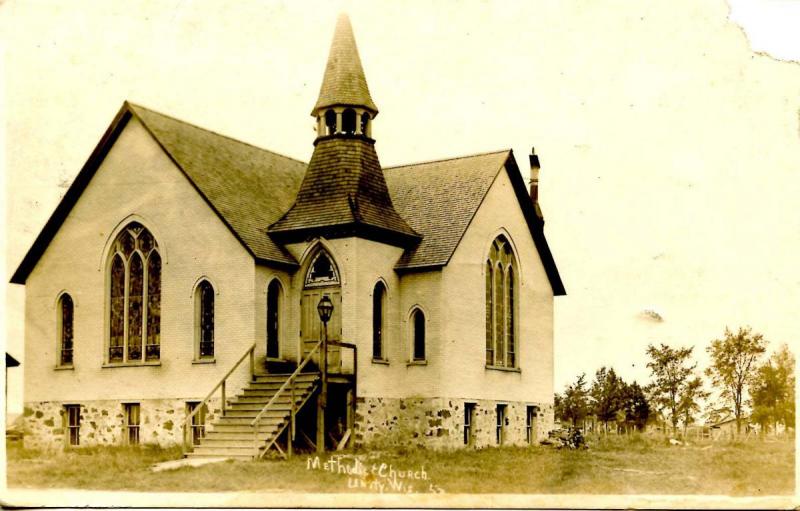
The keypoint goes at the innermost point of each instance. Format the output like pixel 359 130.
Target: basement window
pixel 132 422
pixel 72 418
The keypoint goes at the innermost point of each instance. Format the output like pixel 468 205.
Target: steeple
pixel 344 191
pixel 344 105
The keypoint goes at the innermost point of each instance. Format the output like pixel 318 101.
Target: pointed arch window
pixel 273 319
pixel 66 310
pixel 134 291
pixel 378 321
pixel 501 343
pixel 322 271
pixel 204 320
pixel 365 124
pixel 418 325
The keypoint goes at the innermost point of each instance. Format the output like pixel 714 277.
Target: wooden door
pixel 311 325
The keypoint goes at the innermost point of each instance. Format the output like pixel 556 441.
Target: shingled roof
pixel 344 192
pixel 344 82
pixel 440 198
pixel 249 188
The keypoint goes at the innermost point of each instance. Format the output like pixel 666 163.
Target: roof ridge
pixel 136 105
pixel 425 162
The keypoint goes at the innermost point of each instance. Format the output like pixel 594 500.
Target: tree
pixel 772 390
pixel 607 394
pixel 733 365
pixel 575 402
pixel 669 367
pixel 690 401
pixel 636 407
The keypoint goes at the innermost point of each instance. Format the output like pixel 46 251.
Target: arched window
pixel 204 320
pixel 501 287
pixel 134 326
pixel 365 123
pixel 273 319
pixel 418 322
pixel 330 122
pixel 66 311
pixel 322 271
pixel 378 319
pixel 349 121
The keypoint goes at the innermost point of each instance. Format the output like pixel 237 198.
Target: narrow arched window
pixel 204 319
pixel 273 319
pixel 66 311
pixel 378 319
pixel 349 121
pixel 418 322
pixel 501 342
pixel 365 124
pixel 134 297
pixel 330 122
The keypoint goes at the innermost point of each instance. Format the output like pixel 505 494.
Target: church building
pixel 193 289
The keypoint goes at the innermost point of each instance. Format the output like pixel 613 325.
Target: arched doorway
pixel 322 278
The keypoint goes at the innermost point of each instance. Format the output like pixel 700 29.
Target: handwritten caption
pixel 378 477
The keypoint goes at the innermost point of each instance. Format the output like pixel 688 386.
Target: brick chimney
pixel 534 183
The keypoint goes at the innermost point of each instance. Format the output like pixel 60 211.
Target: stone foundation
pixel 438 423
pixel 103 422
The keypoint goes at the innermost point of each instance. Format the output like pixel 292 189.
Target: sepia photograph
pixel 347 254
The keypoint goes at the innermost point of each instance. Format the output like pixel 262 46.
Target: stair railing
pixel 256 422
pixel 222 386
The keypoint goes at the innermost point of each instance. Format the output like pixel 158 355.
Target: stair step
pixel 249 399
pixel 244 426
pixel 243 436
pixel 257 407
pixel 281 378
pixel 251 414
pixel 240 443
pixel 221 453
pixel 237 420
pixel 275 385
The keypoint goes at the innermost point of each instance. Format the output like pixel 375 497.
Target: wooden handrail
pixel 286 383
pixel 221 383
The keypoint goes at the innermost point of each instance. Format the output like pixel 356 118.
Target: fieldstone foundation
pixel 438 423
pixel 103 422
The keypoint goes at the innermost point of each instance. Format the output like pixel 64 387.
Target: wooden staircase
pixel 233 434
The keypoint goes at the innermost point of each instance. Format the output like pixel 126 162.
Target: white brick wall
pixel 463 309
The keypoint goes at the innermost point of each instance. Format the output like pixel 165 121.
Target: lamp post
pixel 325 310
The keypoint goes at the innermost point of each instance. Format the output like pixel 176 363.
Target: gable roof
pixel 440 198
pixel 251 188
pixel 246 186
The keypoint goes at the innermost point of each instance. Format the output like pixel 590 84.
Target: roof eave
pixel 535 225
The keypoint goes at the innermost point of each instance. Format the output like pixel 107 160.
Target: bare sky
pixel 670 150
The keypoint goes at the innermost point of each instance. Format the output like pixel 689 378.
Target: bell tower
pixel 345 106
pixel 344 191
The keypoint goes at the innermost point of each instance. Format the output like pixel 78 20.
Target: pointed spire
pixel 344 82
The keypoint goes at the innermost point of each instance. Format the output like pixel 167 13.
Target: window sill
pixel 416 363
pixel 204 361
pixel 380 361
pixel 129 364
pixel 64 368
pixel 506 369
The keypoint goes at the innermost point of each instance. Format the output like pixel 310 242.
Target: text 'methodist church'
pixel 177 293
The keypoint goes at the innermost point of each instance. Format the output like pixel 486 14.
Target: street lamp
pixel 325 310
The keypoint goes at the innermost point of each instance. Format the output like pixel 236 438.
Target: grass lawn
pixel 611 466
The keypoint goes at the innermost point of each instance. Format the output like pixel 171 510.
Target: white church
pixel 193 289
